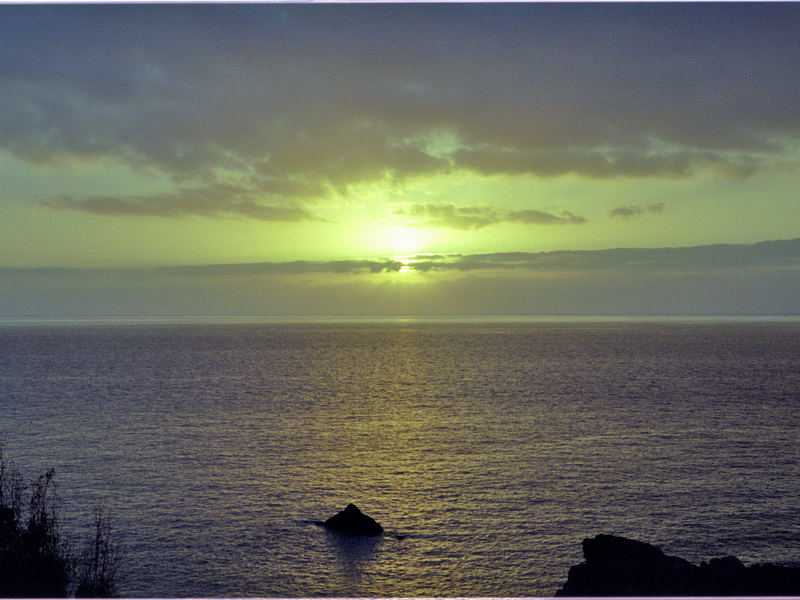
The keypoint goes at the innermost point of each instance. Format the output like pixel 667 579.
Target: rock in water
pixel 352 521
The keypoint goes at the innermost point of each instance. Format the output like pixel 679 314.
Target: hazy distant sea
pixel 495 447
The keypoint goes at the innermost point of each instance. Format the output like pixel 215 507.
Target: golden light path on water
pixel 493 449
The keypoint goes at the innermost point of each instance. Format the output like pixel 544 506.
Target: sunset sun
pixel 401 240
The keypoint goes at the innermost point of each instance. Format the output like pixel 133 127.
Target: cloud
pixel 350 151
pixel 449 215
pixel 477 217
pixel 298 100
pixel 296 267
pixel 210 201
pixel 641 160
pixel 492 160
pixel 625 213
pixel 726 279
pixel 771 254
pixel 778 254
pixel 537 217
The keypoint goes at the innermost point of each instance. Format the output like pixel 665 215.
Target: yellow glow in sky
pixel 397 240
pixel 273 140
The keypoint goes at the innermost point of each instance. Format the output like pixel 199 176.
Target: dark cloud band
pixel 764 255
pixel 300 100
pixel 625 213
pixel 211 201
pixel 477 217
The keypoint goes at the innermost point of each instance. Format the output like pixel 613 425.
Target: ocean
pixel 491 447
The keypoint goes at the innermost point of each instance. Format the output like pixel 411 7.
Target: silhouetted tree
pixel 35 561
pixel 98 562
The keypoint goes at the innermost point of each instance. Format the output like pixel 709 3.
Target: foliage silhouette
pixel 97 564
pixel 35 559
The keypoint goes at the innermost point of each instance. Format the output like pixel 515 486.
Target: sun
pixel 401 240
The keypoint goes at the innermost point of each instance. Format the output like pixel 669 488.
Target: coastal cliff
pixel 618 566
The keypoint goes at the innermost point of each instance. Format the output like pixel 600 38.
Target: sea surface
pixel 494 447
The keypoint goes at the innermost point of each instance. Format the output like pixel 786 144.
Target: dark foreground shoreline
pixel 618 566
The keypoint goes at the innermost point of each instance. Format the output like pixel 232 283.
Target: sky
pixel 391 159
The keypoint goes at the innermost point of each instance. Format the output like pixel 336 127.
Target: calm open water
pixel 495 447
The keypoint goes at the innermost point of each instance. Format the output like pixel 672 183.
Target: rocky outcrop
pixel 351 521
pixel 618 566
